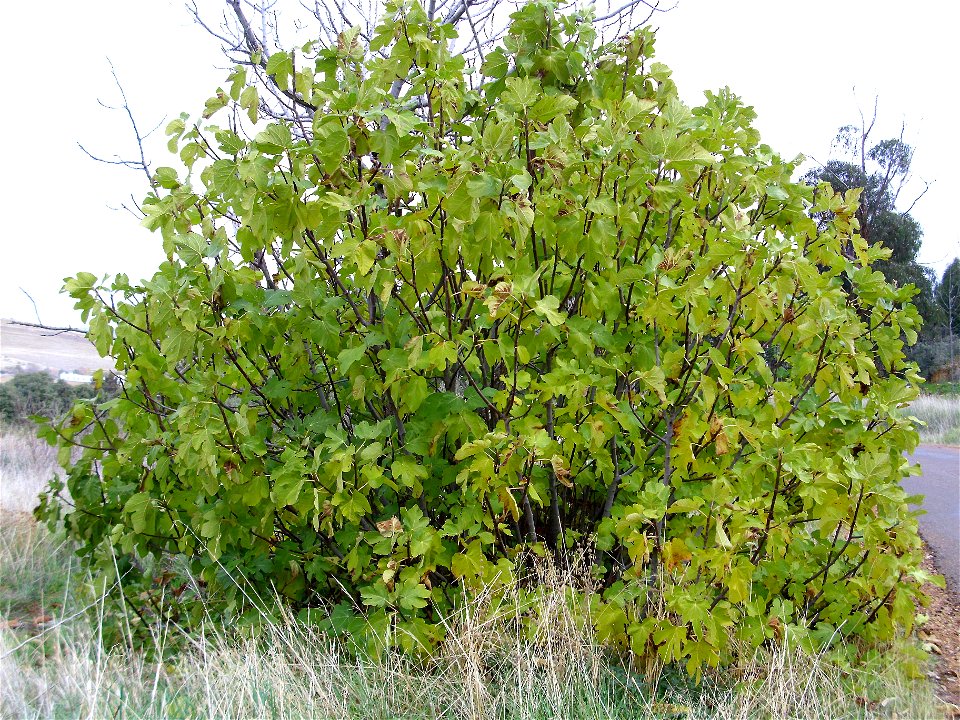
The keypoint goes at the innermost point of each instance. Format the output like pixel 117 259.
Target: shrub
pixel 29 394
pixel 391 352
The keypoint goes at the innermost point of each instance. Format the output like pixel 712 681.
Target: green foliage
pixel 29 394
pixel 391 353
pixel 938 352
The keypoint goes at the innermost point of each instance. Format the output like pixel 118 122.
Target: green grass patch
pixel 942 388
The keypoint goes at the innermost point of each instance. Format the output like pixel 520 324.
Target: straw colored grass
pixel 941 417
pixel 26 465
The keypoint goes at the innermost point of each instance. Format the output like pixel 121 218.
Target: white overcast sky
pixel 807 68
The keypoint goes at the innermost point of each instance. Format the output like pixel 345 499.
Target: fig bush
pixel 396 350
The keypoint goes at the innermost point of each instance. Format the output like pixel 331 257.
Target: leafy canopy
pixel 391 352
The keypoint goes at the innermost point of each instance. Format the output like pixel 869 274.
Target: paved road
pixel 940 526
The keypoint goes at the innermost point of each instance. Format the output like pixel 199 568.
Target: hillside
pixel 29 349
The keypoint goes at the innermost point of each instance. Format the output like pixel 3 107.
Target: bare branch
pixel 632 5
pixel 137 164
pixel 32 302
pixel 473 28
pixel 53 329
pixel 926 186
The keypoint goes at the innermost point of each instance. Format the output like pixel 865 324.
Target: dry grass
pixel 61 666
pixel 26 465
pixel 941 415
pixel 485 670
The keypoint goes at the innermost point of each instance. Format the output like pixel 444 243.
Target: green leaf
pixel 547 108
pixel 280 66
pixel 166 177
pixel 470 564
pixel 521 92
pixel 547 307
pixel 250 101
pixel 349 356
pixel 289 481
pixel 415 391
pixel 139 507
pixel 603 206
pixel 366 256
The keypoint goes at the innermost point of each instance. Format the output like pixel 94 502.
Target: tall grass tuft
pixel 27 464
pixel 941 415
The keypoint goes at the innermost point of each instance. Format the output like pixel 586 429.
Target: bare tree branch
pixel 33 302
pixel 138 164
pixel 39 323
pixel 629 7
pixel 54 330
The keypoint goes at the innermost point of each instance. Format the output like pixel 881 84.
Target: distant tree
pixel 881 171
pixel 30 394
pixel 947 298
pixel 939 354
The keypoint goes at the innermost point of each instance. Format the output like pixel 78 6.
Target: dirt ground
pixel 942 632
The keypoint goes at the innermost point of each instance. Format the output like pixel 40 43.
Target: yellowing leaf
pixel 509 502
pixel 675 553
pixel 656 381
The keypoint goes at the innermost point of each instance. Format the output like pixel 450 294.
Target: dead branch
pixel 54 330
pixel 138 164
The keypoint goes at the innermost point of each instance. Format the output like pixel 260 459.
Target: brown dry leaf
pixel 42 619
pixel 721 441
pixel 10 624
pixel 391 527
pixel 776 626
pixel 560 470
